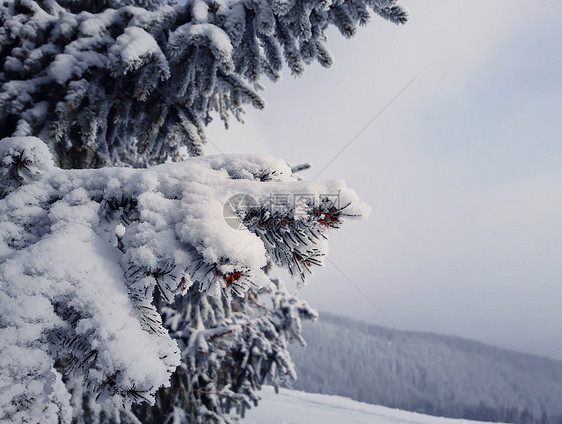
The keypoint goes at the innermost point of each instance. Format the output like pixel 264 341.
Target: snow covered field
pixel 294 407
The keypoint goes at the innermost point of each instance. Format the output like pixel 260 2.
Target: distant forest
pixel 427 373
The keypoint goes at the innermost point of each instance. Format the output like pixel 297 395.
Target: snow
pixel 95 243
pixel 200 12
pixel 81 252
pixel 204 33
pixel 295 407
pixel 133 47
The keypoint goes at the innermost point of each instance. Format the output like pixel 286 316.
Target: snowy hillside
pixel 427 373
pixel 294 407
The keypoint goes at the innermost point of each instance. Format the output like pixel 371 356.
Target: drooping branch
pixel 135 82
pixel 168 230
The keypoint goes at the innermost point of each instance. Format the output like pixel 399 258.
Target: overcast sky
pixel 463 170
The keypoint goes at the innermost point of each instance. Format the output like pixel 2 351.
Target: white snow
pixel 58 235
pixel 200 11
pixel 204 33
pixel 134 47
pixel 295 407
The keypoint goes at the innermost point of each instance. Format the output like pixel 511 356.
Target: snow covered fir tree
pixel 125 293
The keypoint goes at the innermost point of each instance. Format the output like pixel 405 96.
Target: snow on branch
pixel 83 251
pixel 136 81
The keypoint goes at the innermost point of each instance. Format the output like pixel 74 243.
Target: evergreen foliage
pixel 135 81
pixel 113 277
pixel 125 296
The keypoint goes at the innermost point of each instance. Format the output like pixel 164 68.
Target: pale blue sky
pixel 463 171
